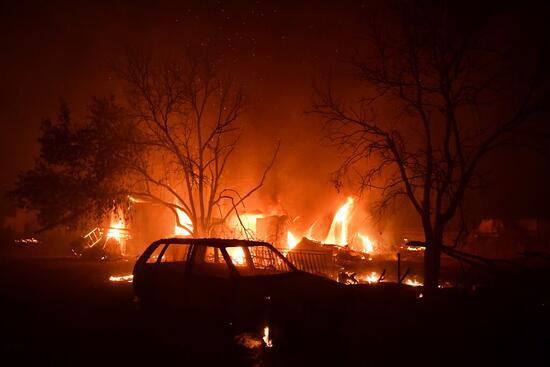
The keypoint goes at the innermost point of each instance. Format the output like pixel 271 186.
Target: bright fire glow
pixel 310 230
pixel 413 282
pixel 237 255
pixel 267 341
pixel 121 278
pixel 245 224
pixel 368 245
pixel 117 228
pixel 338 233
pixel 184 220
pixel 372 277
pixel 291 241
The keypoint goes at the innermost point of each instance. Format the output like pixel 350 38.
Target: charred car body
pixel 246 282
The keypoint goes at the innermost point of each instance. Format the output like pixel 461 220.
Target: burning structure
pixel 342 246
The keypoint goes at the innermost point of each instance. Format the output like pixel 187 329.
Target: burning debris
pixel 121 278
pixel 104 245
pixel 413 282
pixel 27 241
pixel 373 277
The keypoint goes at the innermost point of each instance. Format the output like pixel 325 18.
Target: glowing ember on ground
pixel 27 241
pixel 413 283
pixel 267 341
pixel 121 278
pixel 414 248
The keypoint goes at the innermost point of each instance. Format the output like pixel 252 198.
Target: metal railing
pixel 315 262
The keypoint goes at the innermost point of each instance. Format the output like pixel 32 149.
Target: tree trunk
pixel 432 263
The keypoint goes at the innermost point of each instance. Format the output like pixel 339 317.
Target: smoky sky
pixel 66 49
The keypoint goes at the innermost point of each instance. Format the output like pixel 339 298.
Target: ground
pixel 65 311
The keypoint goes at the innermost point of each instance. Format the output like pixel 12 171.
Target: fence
pixel 312 261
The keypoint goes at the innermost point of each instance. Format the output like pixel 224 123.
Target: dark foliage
pixel 78 178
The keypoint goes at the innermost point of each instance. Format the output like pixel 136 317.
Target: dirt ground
pixel 65 311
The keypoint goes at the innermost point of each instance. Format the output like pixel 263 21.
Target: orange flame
pixel 413 283
pixel 372 277
pixel 268 342
pixel 117 228
pixel 291 241
pixel 338 233
pixel 368 245
pixel 184 220
pixel 237 255
pixel 121 278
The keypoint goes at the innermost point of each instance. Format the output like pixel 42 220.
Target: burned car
pixel 247 282
pixel 206 273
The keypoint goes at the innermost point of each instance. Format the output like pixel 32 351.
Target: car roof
pixel 214 242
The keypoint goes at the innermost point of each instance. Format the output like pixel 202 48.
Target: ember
pixel 121 278
pixel 27 241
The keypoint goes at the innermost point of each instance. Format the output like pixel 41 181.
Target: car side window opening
pixel 155 255
pixel 238 256
pixel 209 261
pixel 257 260
pixel 174 253
pixel 265 259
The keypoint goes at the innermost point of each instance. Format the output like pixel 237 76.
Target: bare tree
pixel 188 122
pixel 437 101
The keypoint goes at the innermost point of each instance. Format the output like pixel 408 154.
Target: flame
pixel 310 230
pixel 338 233
pixel 121 278
pixel 368 245
pixel 291 241
pixel 244 226
pixel 372 277
pixel 413 283
pixel 117 228
pixel 237 255
pixel 414 248
pixel 186 221
pixel 267 341
pixel 118 231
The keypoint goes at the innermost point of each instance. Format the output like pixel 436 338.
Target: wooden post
pixel 399 268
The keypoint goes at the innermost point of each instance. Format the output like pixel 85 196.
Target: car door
pixel 210 280
pixel 170 273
